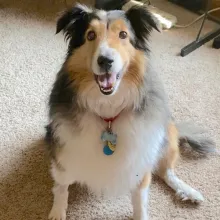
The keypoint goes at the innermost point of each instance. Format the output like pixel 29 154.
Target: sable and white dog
pixel 106 89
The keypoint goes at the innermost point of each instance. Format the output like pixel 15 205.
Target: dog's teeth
pixel 107 90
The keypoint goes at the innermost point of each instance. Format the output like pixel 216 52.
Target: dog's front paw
pixel 57 213
pixel 190 194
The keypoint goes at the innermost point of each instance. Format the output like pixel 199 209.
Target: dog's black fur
pixel 74 24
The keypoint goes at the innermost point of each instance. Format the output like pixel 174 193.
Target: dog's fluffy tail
pixel 195 137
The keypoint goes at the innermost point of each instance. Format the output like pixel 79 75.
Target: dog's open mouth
pixel 107 82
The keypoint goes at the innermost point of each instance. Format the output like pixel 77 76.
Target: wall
pixel 215 4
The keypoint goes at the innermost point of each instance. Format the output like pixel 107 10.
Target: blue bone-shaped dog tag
pixel 108 136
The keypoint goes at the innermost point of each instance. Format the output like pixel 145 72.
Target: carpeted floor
pixel 31 54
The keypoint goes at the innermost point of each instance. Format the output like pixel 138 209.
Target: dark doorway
pixel 193 5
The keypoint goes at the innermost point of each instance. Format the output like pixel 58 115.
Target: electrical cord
pixel 197 19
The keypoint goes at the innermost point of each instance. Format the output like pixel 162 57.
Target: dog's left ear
pixel 142 22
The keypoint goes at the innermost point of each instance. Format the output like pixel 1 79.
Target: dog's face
pixel 103 44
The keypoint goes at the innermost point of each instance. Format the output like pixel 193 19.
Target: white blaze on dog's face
pixel 113 51
pixel 104 45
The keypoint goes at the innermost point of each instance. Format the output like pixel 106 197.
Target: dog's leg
pixel 167 165
pixel 140 199
pixel 60 193
pixel 60 202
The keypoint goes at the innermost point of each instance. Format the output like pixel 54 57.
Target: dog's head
pixel 104 45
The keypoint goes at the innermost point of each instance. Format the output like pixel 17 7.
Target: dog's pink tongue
pixel 107 80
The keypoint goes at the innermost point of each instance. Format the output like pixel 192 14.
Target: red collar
pixel 110 119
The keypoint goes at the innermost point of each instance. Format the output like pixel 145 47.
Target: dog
pixel 110 125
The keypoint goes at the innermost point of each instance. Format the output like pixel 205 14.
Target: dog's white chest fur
pixel 83 159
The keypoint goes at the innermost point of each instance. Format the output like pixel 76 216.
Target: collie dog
pixel 110 125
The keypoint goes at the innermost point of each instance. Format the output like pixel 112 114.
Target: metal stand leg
pixel 200 40
pixel 203 22
pixel 196 44
pixel 216 43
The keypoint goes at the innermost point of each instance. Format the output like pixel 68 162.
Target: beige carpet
pixel 30 56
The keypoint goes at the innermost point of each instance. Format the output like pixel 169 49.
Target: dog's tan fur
pixel 172 155
pixel 124 46
pixel 135 72
pixel 146 181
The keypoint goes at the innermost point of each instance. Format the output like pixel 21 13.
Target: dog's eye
pixel 123 34
pixel 91 35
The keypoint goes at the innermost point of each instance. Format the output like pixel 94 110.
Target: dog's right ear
pixel 71 16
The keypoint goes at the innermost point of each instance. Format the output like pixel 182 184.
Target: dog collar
pixel 110 119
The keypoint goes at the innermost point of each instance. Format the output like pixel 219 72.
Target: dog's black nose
pixel 105 63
